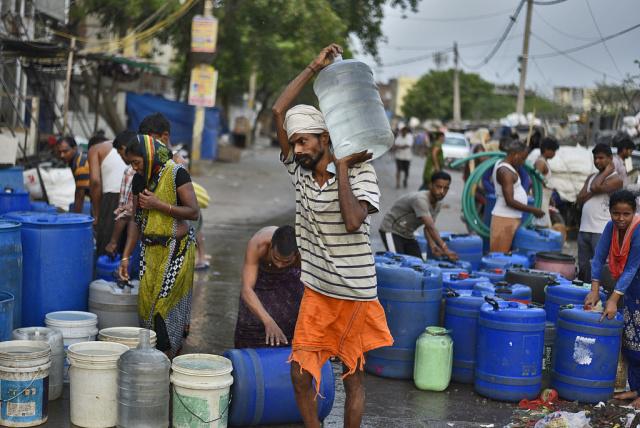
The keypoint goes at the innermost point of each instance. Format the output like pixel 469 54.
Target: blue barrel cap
pixel 577 314
pixel 48 219
pixel 512 311
pixel 8 225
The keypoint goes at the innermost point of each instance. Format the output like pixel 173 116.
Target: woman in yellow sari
pixel 163 201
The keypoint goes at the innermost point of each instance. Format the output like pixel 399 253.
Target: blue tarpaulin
pixel 180 115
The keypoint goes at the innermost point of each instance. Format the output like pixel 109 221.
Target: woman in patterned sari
pixel 620 244
pixel 163 201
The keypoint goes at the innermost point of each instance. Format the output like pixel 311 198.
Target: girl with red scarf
pixel 619 247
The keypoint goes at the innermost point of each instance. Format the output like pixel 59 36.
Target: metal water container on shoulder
pixel 143 386
pixel 586 355
pixel 434 356
pixel 462 309
pixel 352 108
pixel 509 350
pixel 506 291
pixel 411 299
pixel 11 265
pixel 57 263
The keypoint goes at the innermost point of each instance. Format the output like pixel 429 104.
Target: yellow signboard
pixel 202 89
pixel 204 34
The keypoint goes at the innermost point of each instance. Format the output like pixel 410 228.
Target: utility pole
pixel 524 59
pixel 67 87
pixel 456 86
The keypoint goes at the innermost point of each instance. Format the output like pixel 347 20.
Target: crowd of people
pixel 312 285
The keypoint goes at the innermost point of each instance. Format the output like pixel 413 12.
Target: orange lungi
pixel 329 327
pixel 502 231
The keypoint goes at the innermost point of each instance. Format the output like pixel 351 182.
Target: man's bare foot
pixel 627 395
pixel 636 403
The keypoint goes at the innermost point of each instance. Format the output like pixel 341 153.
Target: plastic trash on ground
pixel 564 420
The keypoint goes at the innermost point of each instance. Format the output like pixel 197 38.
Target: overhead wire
pixel 595 23
pixel 560 31
pixel 548 3
pixel 457 19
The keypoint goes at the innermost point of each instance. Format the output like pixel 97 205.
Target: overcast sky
pixel 480 23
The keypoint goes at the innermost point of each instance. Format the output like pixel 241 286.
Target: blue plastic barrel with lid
pixel 446 265
pixel 57 263
pixel 14 201
pixel 506 291
pixel 262 390
pixel 509 350
pixel 504 261
pixel 461 319
pixel 494 274
pixel 531 240
pixel 462 280
pixel 557 295
pixel 406 259
pixel 107 267
pixel 467 247
pixel 43 207
pixel 11 265
pixel 411 298
pixel 12 178
pixel 586 355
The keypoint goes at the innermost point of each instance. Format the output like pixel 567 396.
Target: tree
pixel 432 98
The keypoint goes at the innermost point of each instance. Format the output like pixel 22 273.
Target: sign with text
pixel 202 89
pixel 204 34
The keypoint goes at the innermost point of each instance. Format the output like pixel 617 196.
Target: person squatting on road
pixel 163 202
pixel 271 289
pixel 340 315
pixel 511 198
pixel 620 244
pixel 410 212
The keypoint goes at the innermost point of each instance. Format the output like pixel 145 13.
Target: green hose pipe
pixel 469 209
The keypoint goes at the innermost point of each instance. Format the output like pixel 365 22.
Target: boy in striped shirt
pixel 340 315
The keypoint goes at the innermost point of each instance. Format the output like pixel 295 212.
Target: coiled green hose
pixel 469 209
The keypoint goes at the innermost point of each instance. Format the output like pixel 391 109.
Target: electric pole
pixel 456 86
pixel 524 59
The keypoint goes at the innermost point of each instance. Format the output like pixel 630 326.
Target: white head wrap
pixel 304 119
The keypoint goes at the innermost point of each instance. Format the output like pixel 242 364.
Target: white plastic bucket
pixel 24 372
pixel 54 339
pixel 126 335
pixel 94 383
pixel 201 384
pixel 75 326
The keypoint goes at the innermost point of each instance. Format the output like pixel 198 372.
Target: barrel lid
pixel 7 225
pixel 202 364
pixel 71 318
pixel 589 316
pixel 509 310
pixel 555 256
pixel 48 219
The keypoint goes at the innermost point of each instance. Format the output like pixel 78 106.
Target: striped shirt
pixel 80 168
pixel 335 262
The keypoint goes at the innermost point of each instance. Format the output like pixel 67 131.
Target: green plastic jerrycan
pixel 434 357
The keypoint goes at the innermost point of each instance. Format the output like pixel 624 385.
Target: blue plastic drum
pixel 506 291
pixel 467 247
pixel 11 265
pixel 565 294
pixel 14 201
pixel 494 275
pixel 504 261
pixel 461 281
pixel 531 240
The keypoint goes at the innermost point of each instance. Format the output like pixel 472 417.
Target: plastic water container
pixel 107 267
pixel 11 265
pixel 537 280
pixel 24 375
pixel 404 259
pixel 43 207
pixel 57 263
pixel 263 392
pixel 494 274
pixel 462 309
pixel 75 327
pixel 129 336
pixel 506 291
pixel 547 353
pixel 353 111
pixel 54 339
pixel 12 178
pixel 411 302
pixel 586 355
pixel 467 247
pixel 504 261
pixel 510 346
pixel 434 356
pixel 94 383
pixel 14 201
pixel 447 266
pixel 7 304
pixel 143 386
pixel 531 240
pixel 114 306
pixel 565 294
pixel 86 207
pixel 461 281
